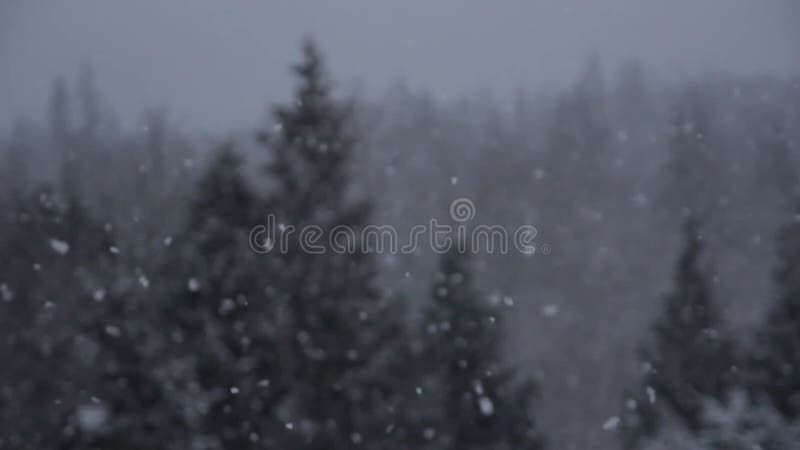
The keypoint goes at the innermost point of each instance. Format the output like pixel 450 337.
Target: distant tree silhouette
pixel 340 325
pixel 694 170
pixel 736 424
pixel 221 361
pixel 58 255
pixel 690 356
pixel 776 361
pixel 14 166
pixel 776 171
pixel 480 403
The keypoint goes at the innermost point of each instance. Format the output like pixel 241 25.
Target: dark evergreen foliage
pixel 482 403
pixel 340 325
pixel 690 357
pixel 134 313
pixel 776 360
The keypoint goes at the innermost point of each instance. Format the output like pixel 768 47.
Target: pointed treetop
pixel 692 289
pixel 693 237
pixel 455 263
pixel 223 192
pixel 311 67
pixel 59 110
pixel 314 84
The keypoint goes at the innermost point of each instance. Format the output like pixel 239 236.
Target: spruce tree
pixel 14 165
pixel 776 165
pixel 55 258
pixel 194 369
pixel 737 424
pixel 220 365
pixel 776 362
pixel 694 172
pixel 340 325
pixel 480 404
pixel 689 357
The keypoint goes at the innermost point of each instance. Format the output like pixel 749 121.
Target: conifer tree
pixel 221 363
pixel 63 137
pixel 340 325
pixel 737 424
pixel 195 369
pixel 689 357
pixel 14 167
pixel 776 165
pixel 480 403
pixel 692 167
pixel 57 255
pixel 776 362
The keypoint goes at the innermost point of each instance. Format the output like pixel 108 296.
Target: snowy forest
pixel 135 314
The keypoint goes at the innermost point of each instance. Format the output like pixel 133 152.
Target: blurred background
pixel 653 145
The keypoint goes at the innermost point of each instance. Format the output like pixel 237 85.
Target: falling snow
pixel 59 246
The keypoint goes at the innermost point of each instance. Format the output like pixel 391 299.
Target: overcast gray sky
pixel 216 63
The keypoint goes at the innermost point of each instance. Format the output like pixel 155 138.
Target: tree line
pixel 135 315
pixel 209 345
